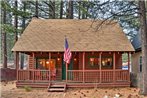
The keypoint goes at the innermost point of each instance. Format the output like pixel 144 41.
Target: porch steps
pixel 57 87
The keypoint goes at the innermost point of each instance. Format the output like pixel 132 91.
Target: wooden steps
pixel 57 87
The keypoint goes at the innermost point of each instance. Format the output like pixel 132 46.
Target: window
pixel 140 64
pixel 93 62
pixel 107 62
pixel 42 64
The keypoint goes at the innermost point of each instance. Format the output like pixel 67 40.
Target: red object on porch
pixel 53 74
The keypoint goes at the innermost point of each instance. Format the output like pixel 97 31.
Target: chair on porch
pixel 53 74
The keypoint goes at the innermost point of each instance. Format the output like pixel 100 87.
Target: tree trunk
pixel 4 43
pixel 23 26
pixel 53 16
pixel 61 9
pixel 79 16
pixel 70 10
pixel 87 8
pixel 143 26
pixel 36 9
pixel 52 9
pixel 16 33
pixel 16 22
pixel 83 13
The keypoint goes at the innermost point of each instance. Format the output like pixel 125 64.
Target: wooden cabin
pixel 96 53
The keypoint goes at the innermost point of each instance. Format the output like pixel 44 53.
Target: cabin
pixel 96 48
pixel 137 61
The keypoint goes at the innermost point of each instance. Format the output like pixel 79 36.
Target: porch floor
pixel 45 84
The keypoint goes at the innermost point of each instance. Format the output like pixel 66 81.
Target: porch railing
pixel 97 76
pixel 86 76
pixel 33 75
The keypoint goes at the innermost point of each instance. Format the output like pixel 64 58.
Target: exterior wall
pixel 31 65
pixel 80 61
pixel 136 75
pixel 118 61
pixel 135 62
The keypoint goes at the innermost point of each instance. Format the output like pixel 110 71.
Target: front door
pixel 70 67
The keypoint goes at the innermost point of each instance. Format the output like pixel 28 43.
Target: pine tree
pixel 4 37
pixel 143 25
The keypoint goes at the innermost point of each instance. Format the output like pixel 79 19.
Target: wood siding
pixel 135 62
pixel 32 62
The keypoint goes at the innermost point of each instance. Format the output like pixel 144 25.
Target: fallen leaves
pixel 10 90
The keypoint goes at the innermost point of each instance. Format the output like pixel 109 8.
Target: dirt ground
pixel 9 90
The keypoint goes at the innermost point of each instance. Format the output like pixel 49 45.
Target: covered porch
pixel 87 69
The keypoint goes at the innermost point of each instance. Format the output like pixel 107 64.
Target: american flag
pixel 67 52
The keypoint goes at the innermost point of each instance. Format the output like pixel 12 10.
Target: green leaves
pixel 6 6
pixel 9 28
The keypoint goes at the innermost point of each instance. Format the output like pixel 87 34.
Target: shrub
pixel 27 88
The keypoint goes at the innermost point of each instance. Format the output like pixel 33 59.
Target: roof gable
pixel 49 34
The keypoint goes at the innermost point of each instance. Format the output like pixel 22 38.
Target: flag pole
pixel 66 71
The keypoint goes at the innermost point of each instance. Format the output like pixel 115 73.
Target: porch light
pixel 103 62
pixel 75 59
pixel 40 62
pixel 47 62
pixel 91 59
pixel 58 59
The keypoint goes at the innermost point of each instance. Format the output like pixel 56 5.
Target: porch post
pixel 114 67
pixel 100 66
pixel 17 64
pixel 83 67
pixel 28 67
pixel 49 66
pixel 33 66
pixel 128 66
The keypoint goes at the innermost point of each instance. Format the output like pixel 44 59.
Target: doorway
pixel 70 67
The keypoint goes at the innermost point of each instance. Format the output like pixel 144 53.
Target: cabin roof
pixel 46 35
pixel 137 42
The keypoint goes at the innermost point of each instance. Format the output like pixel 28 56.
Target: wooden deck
pixel 45 84
pixel 75 78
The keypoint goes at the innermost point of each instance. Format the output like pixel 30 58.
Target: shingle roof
pixel 137 42
pixel 49 34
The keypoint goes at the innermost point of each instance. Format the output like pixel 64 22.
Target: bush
pixel 27 88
